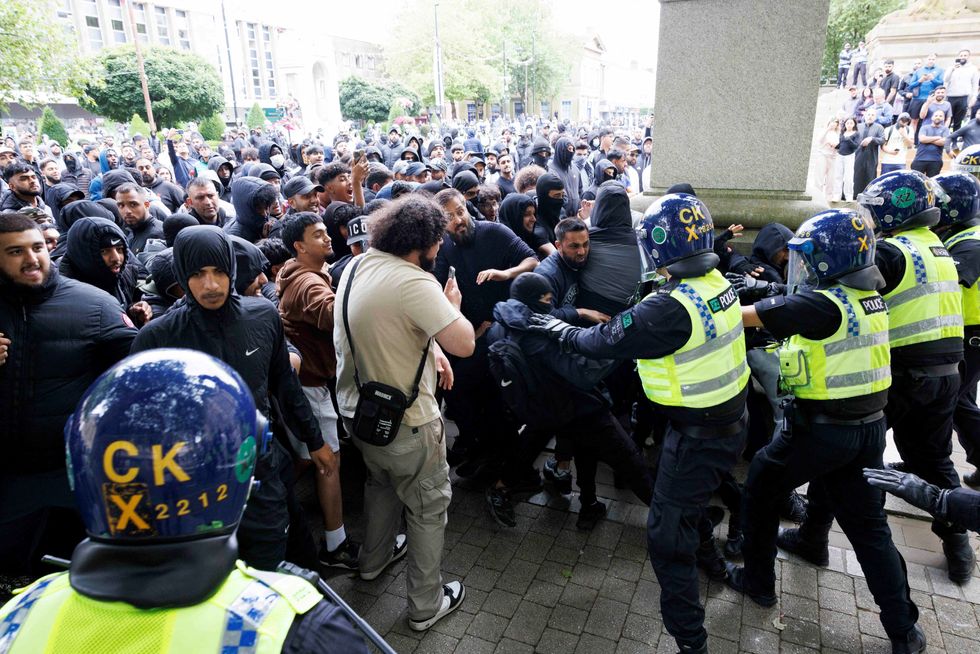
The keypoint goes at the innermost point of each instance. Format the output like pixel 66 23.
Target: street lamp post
pixel 438 64
pixel 231 71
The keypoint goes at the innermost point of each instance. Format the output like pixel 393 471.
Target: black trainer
pixel 913 643
pixel 733 544
pixel 709 559
pixel 960 560
pixel 500 507
pixel 589 516
pixel 793 542
pixel 736 581
pixel 344 557
pixel 794 509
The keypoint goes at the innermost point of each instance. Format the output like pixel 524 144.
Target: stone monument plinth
pixel 737 84
pixel 926 26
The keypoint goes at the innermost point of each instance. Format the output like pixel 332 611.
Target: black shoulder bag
pixel 380 407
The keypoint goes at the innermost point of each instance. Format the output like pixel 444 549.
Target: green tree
pixel 213 127
pixel 256 117
pixel 369 101
pixel 53 127
pixel 138 126
pixel 183 86
pixel 849 22
pixel 34 55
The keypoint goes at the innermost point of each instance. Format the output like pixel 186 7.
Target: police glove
pixel 751 288
pixel 910 488
pixel 551 327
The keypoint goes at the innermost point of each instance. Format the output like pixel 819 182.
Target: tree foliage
pixel 255 118
pixel 212 128
pixel 849 22
pixel 36 56
pixel 361 99
pixel 53 127
pixel 138 126
pixel 474 42
pixel 183 86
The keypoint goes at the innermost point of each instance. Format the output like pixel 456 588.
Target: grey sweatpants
pixel 411 472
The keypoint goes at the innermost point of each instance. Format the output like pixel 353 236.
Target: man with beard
pixel 247 334
pixel 202 203
pixel 486 257
pixel 395 324
pixel 56 336
pixel 393 148
pixel 134 207
pixel 51 172
pixel 562 165
pixel 170 194
pixel 24 187
pixel 871 136
pixel 98 254
pixel 505 177
pixel 928 158
pixel 562 270
pixel 301 195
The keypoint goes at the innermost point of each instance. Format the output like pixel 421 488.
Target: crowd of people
pixel 364 288
pixel 896 119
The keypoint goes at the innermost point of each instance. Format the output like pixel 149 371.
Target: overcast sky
pixel 629 27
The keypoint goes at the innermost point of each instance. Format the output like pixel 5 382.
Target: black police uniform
pixel 701 446
pixel 966 417
pixel 828 443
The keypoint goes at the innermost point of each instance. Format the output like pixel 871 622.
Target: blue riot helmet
pixel 677 233
pixel 968 161
pixel 960 202
pixel 835 246
pixel 900 200
pixel 162 447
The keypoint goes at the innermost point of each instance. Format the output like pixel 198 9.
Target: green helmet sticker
pixel 245 460
pixel 903 197
pixel 659 235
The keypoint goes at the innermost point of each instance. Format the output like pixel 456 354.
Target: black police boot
pixel 736 581
pixel 792 541
pixel 794 509
pixel 913 642
pixel 733 545
pixel 960 560
pixel 689 649
pixel 709 559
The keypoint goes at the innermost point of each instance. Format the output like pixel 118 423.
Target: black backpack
pixel 525 391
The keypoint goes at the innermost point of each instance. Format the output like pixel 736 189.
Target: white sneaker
pixel 454 592
pixel 401 547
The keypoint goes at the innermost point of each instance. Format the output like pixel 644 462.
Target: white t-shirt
pixel 894 140
pixel 395 308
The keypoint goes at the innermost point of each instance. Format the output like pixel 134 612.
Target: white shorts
pixel 319 399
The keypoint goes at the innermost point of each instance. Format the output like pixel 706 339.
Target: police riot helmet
pixel 677 233
pixel 968 161
pixel 162 447
pixel 961 199
pixel 834 246
pixel 900 200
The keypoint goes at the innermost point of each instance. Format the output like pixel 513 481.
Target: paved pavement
pixel 546 587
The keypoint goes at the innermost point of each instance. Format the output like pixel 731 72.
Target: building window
pixel 163 26
pixel 116 21
pixel 253 59
pixel 545 108
pixel 270 68
pixel 566 109
pixel 93 27
pixel 183 29
pixel 143 34
pixel 65 16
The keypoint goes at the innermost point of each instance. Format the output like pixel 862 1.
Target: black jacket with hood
pixel 170 194
pixel 142 232
pixel 162 276
pixel 266 150
pixel 768 243
pixel 250 263
pixel 550 211
pixel 83 260
pixel 215 163
pixel 246 332
pixel 65 334
pixel 561 165
pixel 610 278
pixel 57 196
pixel 248 223
pixel 70 214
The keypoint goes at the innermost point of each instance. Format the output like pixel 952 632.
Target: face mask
pixel 277 160
pixel 578 158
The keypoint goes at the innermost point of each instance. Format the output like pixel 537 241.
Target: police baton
pixel 313 578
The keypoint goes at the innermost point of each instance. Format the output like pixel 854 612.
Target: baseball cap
pixel 415 168
pixel 438 164
pixel 4 148
pixel 299 185
pixel 357 230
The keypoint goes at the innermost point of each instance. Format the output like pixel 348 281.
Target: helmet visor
pixel 800 276
pixel 649 267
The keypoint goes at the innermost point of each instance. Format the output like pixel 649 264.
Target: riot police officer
pixel 688 341
pixel 161 453
pixel 925 331
pixel 835 360
pixel 959 227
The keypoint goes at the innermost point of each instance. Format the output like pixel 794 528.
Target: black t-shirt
pixel 493 246
pixel 816 317
pixel 891 262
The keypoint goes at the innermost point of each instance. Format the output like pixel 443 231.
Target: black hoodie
pixel 550 211
pixel 249 261
pixel 57 197
pixel 246 332
pixel 142 232
pixel 161 269
pixel 538 152
pixel 601 177
pixel 114 179
pixel 511 213
pixel 561 165
pixel 215 163
pixel 610 278
pixel 83 260
pixel 771 240
pixel 266 150
pixel 70 214
pixel 247 223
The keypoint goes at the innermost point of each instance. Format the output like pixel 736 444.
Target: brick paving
pixel 546 587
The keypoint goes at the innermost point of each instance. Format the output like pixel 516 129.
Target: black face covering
pixel 529 288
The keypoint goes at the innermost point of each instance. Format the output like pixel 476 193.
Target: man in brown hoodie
pixel 306 304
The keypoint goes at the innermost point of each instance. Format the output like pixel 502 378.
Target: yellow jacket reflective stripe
pixel 971 295
pixel 856 360
pixel 926 305
pixel 250 613
pixel 710 368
